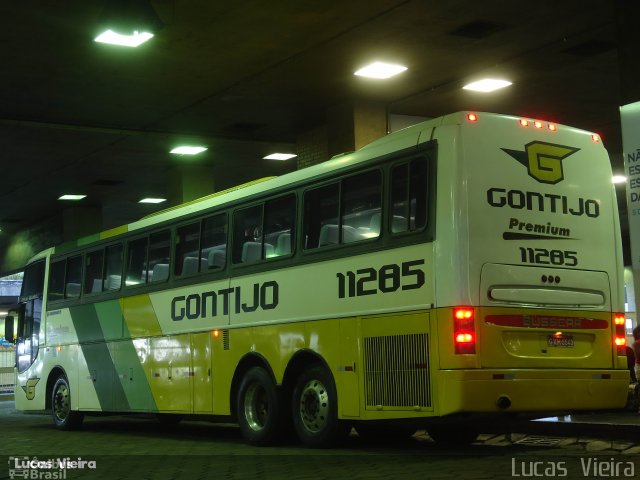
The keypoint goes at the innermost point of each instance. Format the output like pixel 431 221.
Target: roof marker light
pixel 553 127
pixel 595 137
pixel 537 124
pixel 524 123
pixel 472 117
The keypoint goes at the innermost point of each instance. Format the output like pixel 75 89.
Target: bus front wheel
pixel 63 417
pixel 315 409
pixel 259 408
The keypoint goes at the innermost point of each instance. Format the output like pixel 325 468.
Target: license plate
pixel 560 341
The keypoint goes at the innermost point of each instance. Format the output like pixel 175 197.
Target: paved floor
pixel 138 448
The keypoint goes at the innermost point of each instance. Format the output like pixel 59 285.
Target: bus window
pixel 279 226
pixel 93 272
pixel 321 207
pixel 73 280
pixel 247 239
pixel 56 281
pixel 213 243
pixel 187 245
pixel 361 202
pixel 113 268
pixel 159 254
pixel 409 196
pixel 136 271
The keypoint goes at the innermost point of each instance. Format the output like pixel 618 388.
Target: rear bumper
pixel 521 391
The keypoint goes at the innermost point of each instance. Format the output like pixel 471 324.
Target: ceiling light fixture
pixel 618 179
pixel 152 200
pixel 487 85
pixel 188 150
pixel 72 197
pixel 280 156
pixel 380 70
pixel 127 23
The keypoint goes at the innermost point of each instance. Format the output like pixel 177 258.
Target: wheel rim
pixel 256 407
pixel 314 406
pixel 61 403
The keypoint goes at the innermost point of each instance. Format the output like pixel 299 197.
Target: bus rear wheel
pixel 64 418
pixel 259 408
pixel 315 409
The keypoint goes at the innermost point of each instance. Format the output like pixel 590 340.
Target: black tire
pixel 260 408
pixel 453 436
pixel 314 408
pixel 64 418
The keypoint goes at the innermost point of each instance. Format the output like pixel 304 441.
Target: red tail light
pixel 464 332
pixel 620 339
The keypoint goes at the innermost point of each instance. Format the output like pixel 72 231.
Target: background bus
pixel 463 268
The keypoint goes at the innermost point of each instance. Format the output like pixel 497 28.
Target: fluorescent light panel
pixel 113 38
pixel 618 179
pixel 487 85
pixel 280 156
pixel 71 197
pixel 152 200
pixel 188 150
pixel 380 70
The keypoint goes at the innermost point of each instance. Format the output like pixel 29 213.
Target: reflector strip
pixel 542 321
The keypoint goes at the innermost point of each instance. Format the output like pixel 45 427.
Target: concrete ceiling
pixel 247 77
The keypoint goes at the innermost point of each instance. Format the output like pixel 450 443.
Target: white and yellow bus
pixel 463 268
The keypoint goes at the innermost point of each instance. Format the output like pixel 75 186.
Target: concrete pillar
pixel 189 182
pixel 348 127
pixel 627 14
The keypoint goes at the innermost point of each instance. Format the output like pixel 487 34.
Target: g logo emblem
pixel 543 160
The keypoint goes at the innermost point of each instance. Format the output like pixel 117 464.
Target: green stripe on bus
pixel 99 358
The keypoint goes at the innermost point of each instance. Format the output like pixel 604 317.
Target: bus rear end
pixel 531 318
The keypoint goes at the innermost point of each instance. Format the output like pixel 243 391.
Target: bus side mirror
pixel 9 334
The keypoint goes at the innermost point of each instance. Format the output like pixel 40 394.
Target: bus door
pixel 30 316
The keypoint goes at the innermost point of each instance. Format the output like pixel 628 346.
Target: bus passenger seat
pixel 328 235
pixel 283 246
pixel 113 282
pixel 251 252
pixel 73 290
pixel 217 257
pixel 160 272
pixel 190 265
pixel 97 285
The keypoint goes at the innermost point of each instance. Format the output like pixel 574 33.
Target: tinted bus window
pixel 56 280
pixel 74 277
pixel 93 272
pixel 213 243
pixel 409 196
pixel 136 262
pixel 113 268
pixel 247 243
pixel 321 208
pixel 187 248
pixel 279 226
pixel 361 205
pixel 159 254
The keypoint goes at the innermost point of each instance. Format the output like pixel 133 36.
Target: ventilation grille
pixel 397 371
pixel 225 339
